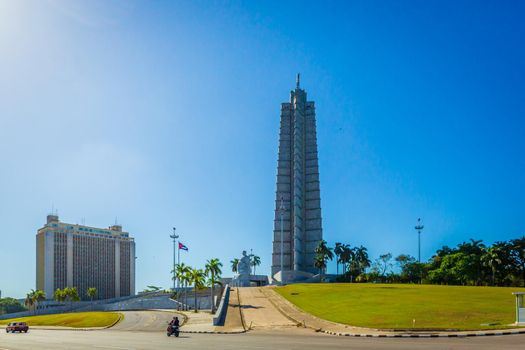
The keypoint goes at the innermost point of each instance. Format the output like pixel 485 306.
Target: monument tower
pixel 298 197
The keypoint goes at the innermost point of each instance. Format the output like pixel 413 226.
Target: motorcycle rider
pixel 175 322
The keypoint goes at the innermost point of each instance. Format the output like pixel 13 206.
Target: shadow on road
pixel 246 306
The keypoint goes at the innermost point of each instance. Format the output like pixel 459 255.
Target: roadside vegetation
pixel 10 305
pixel 470 263
pixel 405 306
pixel 76 320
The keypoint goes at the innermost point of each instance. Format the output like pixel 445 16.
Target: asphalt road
pixel 149 321
pixel 291 339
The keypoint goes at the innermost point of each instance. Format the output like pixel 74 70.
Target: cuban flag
pixel 182 246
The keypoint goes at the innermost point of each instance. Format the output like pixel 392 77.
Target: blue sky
pixel 166 114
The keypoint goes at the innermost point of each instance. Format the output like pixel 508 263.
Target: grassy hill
pixel 76 320
pixel 398 305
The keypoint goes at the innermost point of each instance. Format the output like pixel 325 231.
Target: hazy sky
pixel 166 114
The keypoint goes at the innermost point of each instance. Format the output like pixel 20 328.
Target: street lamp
pixel 419 227
pixel 174 236
pixel 281 211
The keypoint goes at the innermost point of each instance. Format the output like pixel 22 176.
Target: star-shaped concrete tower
pixel 298 198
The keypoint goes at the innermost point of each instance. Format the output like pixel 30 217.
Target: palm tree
pixel 338 250
pixel 491 258
pixel 347 258
pixel 362 261
pixel 174 276
pixel 255 261
pixel 29 301
pixel 213 268
pixel 323 254
pixel 186 278
pixel 152 289
pixel 517 255
pixel 320 263
pixel 181 272
pixel 234 263
pixel 71 294
pixel 178 272
pixel 59 295
pixel 38 296
pixel 91 293
pixel 197 278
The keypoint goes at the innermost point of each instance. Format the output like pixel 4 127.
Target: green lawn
pixel 397 305
pixel 77 320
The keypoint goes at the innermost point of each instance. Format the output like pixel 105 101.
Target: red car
pixel 17 327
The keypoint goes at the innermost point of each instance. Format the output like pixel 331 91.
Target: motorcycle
pixel 173 330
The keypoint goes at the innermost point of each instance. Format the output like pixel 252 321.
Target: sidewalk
pixel 234 319
pixel 259 311
pixel 202 322
pixel 307 320
pixel 197 322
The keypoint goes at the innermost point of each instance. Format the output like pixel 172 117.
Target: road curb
pixel 424 335
pixel 212 332
pixel 120 318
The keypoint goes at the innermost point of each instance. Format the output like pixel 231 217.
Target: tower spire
pixel 297 81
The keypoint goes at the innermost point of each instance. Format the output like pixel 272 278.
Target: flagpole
pixel 178 259
pixel 174 236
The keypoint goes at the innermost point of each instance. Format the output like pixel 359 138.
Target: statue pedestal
pixel 241 281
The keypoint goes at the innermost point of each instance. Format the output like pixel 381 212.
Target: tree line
pixel 469 263
pixel 69 294
pixel 10 305
pixel 187 276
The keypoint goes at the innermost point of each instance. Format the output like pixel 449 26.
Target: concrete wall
pixel 49 307
pixel 220 314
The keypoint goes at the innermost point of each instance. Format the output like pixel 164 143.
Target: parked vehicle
pixel 17 327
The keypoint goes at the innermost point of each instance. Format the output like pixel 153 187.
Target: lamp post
pixel 419 227
pixel 174 236
pixel 281 211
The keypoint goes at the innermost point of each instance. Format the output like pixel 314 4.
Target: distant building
pixel 69 255
pixel 298 188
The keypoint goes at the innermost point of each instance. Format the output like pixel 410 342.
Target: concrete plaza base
pixel 287 277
